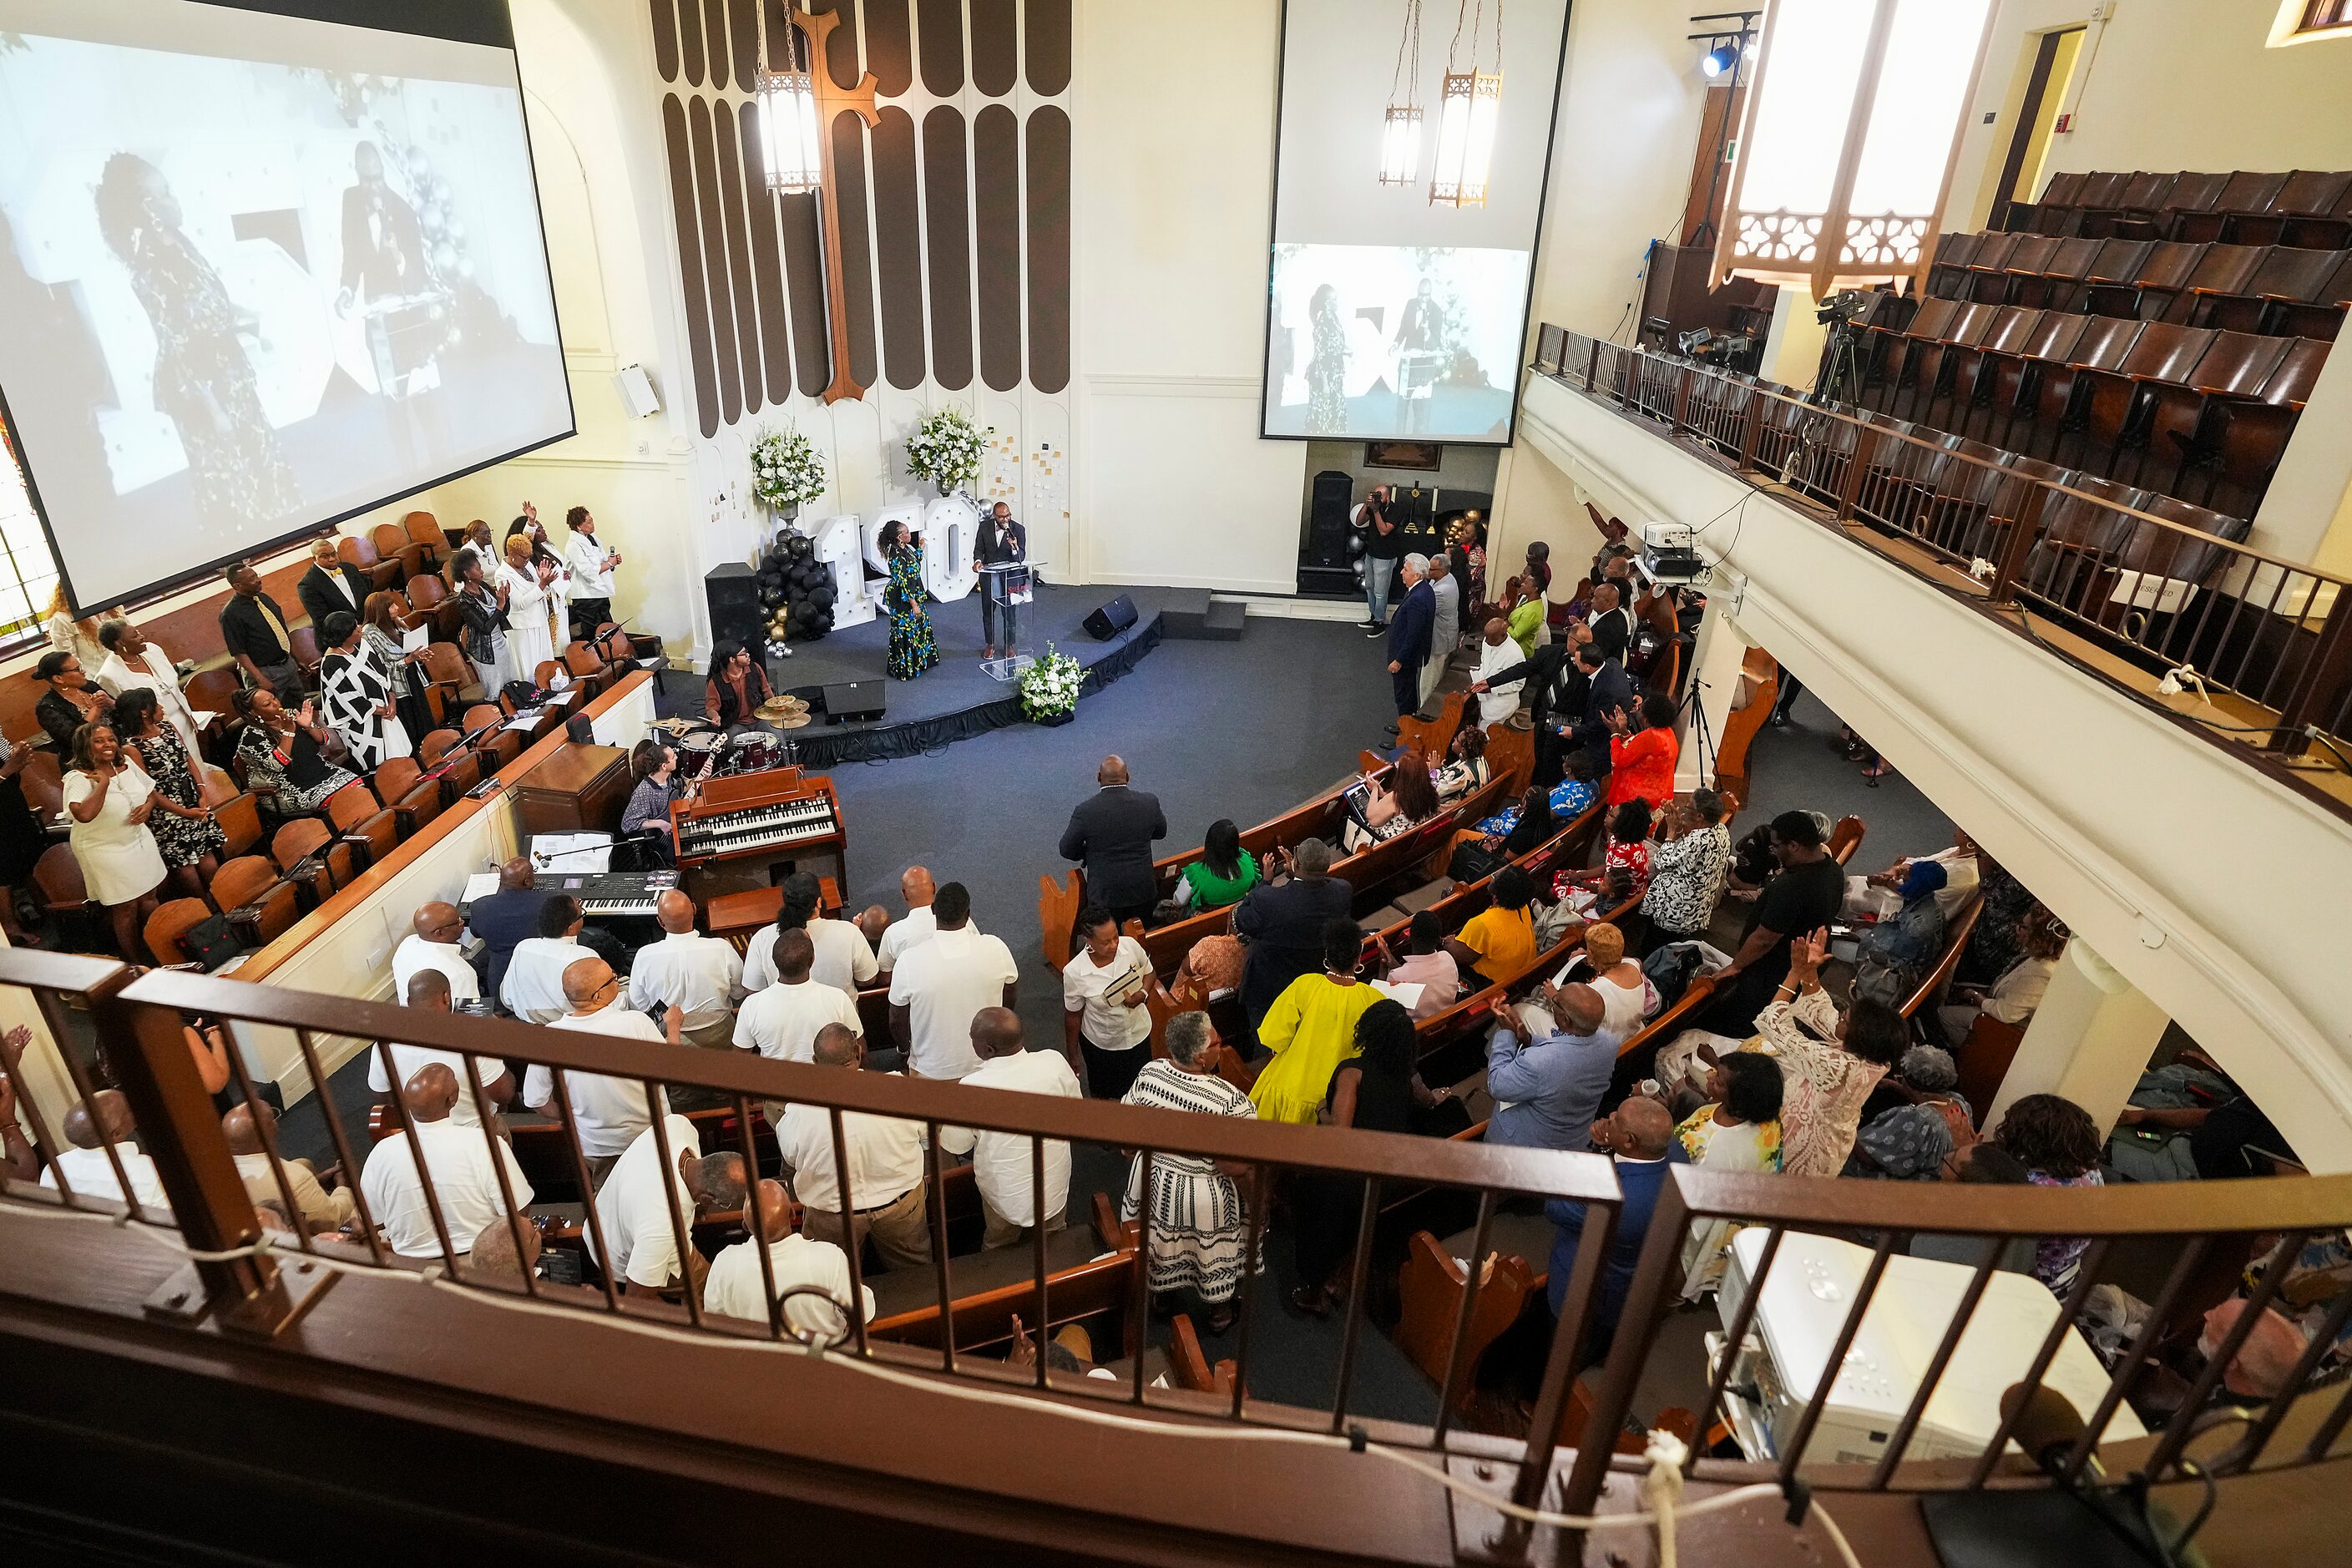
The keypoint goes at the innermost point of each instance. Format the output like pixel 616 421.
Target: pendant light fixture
pixel 1401 129
pixel 1468 105
pixel 788 118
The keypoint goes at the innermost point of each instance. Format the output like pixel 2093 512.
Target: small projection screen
pixel 261 272
pixel 1388 316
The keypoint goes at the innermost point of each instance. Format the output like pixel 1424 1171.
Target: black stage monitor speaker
pixel 1111 619
pixel 733 591
pixel 854 702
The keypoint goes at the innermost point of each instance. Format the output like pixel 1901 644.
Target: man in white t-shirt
pixel 940 983
pixel 781 1022
pixel 699 974
pixel 434 946
pixel 606 1113
pixel 1002 1163
pixel 533 986
pixel 736 1288
pixel 1106 987
pixel 90 1126
pixel 845 958
pixel 634 1205
pixel 885 1156
pixel 465 1187
pixel 428 992
pixel 921 921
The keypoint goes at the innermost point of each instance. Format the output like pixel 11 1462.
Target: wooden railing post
pixel 2024 533
pixel 2327 680
pixel 180 1132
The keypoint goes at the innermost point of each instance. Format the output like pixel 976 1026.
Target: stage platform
pixel 955 699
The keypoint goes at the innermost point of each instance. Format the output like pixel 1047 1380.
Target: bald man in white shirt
pixel 701 975
pixel 736 1288
pixel 606 1113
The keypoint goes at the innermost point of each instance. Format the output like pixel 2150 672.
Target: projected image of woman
pixel 1326 370
pixel 204 381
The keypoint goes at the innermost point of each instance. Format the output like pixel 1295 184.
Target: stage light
pixel 1720 59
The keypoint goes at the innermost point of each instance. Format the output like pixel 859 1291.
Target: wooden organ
pixel 746 822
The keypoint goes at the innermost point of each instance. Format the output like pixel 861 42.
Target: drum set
pixel 705 751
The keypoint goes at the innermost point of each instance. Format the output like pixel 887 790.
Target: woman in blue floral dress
pixel 912 648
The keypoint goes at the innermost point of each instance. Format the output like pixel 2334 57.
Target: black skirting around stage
pixel 955 699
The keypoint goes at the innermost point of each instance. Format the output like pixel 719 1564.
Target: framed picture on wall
pixel 1424 455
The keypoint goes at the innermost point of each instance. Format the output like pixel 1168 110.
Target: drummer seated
pixel 736 687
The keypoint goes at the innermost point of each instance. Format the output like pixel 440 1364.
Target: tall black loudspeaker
pixel 1326 518
pixel 733 591
pixel 1111 619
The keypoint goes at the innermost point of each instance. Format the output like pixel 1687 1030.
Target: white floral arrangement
pixel 1049 687
pixel 946 448
pixel 786 469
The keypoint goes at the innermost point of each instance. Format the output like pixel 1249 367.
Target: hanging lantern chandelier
pixel 1468 105
pixel 788 117
pixel 1400 130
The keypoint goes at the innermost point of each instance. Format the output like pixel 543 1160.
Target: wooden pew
pixel 1845 838
pixel 1984 1057
pixel 1090 1277
pixel 1955 940
pixel 1430 737
pixel 1059 898
pixel 1760 682
pixel 1434 1276
pixel 1565 848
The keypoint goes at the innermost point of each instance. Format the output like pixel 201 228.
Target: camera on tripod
pixel 1842 307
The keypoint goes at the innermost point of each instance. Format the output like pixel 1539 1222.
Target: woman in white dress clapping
pixel 108 798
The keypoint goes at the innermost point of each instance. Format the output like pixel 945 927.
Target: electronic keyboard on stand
pixel 604 895
pixel 754 820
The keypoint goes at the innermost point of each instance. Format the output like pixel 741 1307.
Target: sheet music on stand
pixel 574 852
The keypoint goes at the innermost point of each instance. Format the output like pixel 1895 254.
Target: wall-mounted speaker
pixel 1111 619
pixel 637 391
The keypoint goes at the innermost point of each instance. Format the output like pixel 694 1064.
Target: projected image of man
pixel 384 249
pixel 203 379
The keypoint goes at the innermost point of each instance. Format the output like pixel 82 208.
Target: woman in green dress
pixel 912 648
pixel 1221 875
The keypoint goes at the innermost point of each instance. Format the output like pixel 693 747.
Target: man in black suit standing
pixel 383 251
pixel 1410 631
pixel 1608 688
pixel 333 584
pixel 1112 835
pixel 1284 924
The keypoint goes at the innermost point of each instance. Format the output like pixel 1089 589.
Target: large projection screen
pixel 1389 317
pixel 261 272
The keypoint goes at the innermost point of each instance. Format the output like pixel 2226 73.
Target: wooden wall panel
pixel 841 48
pixel 889 47
pixel 714 261
pixel 767 270
pixel 996 209
pixel 898 249
pixel 744 17
pixel 690 40
pixel 716 45
pixel 805 287
pixel 730 174
pixel 666 39
pixel 1048 44
pixel 938 26
pixel 1049 250
pixel 995 47
pixel 947 223
pixel 689 259
pixel 857 255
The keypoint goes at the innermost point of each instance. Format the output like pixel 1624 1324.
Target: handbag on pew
pixel 210 943
pixel 1473 861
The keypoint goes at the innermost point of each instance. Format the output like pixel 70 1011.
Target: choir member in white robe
pixel 529 641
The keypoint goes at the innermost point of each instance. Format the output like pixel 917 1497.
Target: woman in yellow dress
pixel 1311 1029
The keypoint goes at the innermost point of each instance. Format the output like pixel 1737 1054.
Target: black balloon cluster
pixel 795 591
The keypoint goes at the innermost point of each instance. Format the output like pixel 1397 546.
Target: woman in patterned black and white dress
pixel 356 694
pixel 1199 1229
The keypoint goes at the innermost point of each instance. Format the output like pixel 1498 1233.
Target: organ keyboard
pixel 774 815
pixel 607 895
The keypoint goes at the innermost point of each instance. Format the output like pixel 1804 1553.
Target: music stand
pixel 1010 584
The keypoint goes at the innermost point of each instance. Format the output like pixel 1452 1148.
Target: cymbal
pixel 800 720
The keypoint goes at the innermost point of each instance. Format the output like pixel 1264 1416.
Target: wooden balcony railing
pixel 257 1286
pixel 2158 592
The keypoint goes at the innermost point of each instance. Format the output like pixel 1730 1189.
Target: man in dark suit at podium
pixel 1111 834
pixel 1002 543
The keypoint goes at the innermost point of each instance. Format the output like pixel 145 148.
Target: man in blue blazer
pixel 1640 1136
pixel 1410 629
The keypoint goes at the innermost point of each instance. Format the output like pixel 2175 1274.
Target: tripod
pixel 1702 737
pixel 1839 376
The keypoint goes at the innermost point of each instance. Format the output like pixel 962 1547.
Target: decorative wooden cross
pixel 831 100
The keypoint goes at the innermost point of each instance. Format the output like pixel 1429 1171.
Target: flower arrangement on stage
pixel 946 448
pixel 786 469
pixel 1049 687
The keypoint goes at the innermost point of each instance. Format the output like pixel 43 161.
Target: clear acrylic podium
pixel 1012 584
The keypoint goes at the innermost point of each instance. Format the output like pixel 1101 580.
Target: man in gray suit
pixel 1445 626
pixel 1112 835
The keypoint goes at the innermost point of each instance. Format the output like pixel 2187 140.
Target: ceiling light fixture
pixel 788 119
pixel 1469 105
pixel 1401 129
